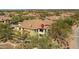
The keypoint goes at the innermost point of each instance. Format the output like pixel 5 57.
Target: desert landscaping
pixel 40 29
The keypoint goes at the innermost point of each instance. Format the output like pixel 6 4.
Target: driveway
pixel 76 38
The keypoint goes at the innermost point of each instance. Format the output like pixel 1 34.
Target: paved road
pixel 76 38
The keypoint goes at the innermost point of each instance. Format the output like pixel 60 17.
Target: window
pixel 2 21
pixel 41 30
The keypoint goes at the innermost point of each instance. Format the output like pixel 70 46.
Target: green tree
pixel 2 13
pixel 61 30
pixel 76 18
pixel 43 43
pixel 6 32
pixel 16 19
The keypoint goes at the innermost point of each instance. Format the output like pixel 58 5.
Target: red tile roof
pixel 35 24
pixel 3 18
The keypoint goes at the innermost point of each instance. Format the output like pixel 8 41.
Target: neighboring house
pixel 5 19
pixel 39 26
